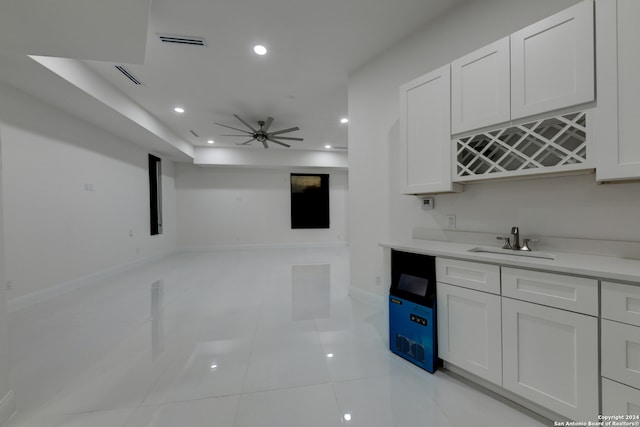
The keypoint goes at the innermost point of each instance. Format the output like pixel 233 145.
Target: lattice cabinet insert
pixel 554 144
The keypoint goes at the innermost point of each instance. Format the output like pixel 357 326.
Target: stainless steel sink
pixel 527 254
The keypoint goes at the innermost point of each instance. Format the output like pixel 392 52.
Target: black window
pixel 155 194
pixel 309 201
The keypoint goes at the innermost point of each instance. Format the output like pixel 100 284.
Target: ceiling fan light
pixel 211 141
pixel 260 49
pixel 179 110
pixel 263 134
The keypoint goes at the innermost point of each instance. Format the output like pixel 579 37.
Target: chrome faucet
pixel 515 243
pixel 515 233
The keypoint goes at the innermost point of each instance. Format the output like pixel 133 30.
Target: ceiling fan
pixel 262 135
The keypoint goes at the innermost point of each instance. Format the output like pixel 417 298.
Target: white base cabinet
pixel 551 358
pixel 621 352
pixel 619 399
pixel 536 334
pixel 469 331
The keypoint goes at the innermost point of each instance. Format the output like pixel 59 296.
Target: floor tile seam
pixel 80 324
pixel 37 414
pixel 39 406
pixel 97 411
pixel 182 401
pixel 105 366
pixel 350 380
pixel 341 410
pixel 364 377
pixel 340 382
pixel 157 380
pixel 442 411
pixel 251 354
pixel 277 389
pixel 322 345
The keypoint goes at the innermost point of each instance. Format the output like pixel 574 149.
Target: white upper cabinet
pixel 480 93
pixel 547 66
pixel 552 62
pixel 618 66
pixel 425 134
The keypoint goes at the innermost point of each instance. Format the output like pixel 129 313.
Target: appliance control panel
pixel 417 319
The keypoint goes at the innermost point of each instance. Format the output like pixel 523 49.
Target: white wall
pixel 272 158
pixel 56 231
pixel 567 206
pixel 6 404
pixel 249 206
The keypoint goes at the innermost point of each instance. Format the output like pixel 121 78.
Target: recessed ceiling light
pixel 327 146
pixel 213 366
pixel 260 50
pixel 344 120
pixel 347 417
pixel 211 141
pixel 179 110
pixel 330 355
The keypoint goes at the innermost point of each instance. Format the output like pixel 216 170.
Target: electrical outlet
pixel 451 221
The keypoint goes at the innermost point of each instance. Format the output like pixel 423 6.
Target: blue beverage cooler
pixel 412 309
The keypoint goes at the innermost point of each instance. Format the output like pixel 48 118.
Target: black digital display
pixel 414 285
pixel 413 277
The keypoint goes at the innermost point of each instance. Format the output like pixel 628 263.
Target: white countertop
pixel 602 267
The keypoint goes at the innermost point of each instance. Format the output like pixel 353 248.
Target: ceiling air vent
pixel 193 133
pixel 193 41
pixel 128 75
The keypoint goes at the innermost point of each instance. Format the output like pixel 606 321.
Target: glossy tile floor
pixel 239 338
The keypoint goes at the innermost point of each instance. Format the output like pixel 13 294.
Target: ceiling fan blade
pixel 289 138
pixel 245 123
pixel 245 143
pixel 278 142
pixel 285 130
pixel 244 136
pixel 267 124
pixel 265 144
pixel 230 127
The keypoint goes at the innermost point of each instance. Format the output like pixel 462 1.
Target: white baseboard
pixel 7 407
pixel 24 301
pixel 262 246
pixel 532 409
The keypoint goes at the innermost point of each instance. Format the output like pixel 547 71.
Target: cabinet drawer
pixel 473 275
pixel 621 352
pixel 621 302
pixel 619 399
pixel 555 290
